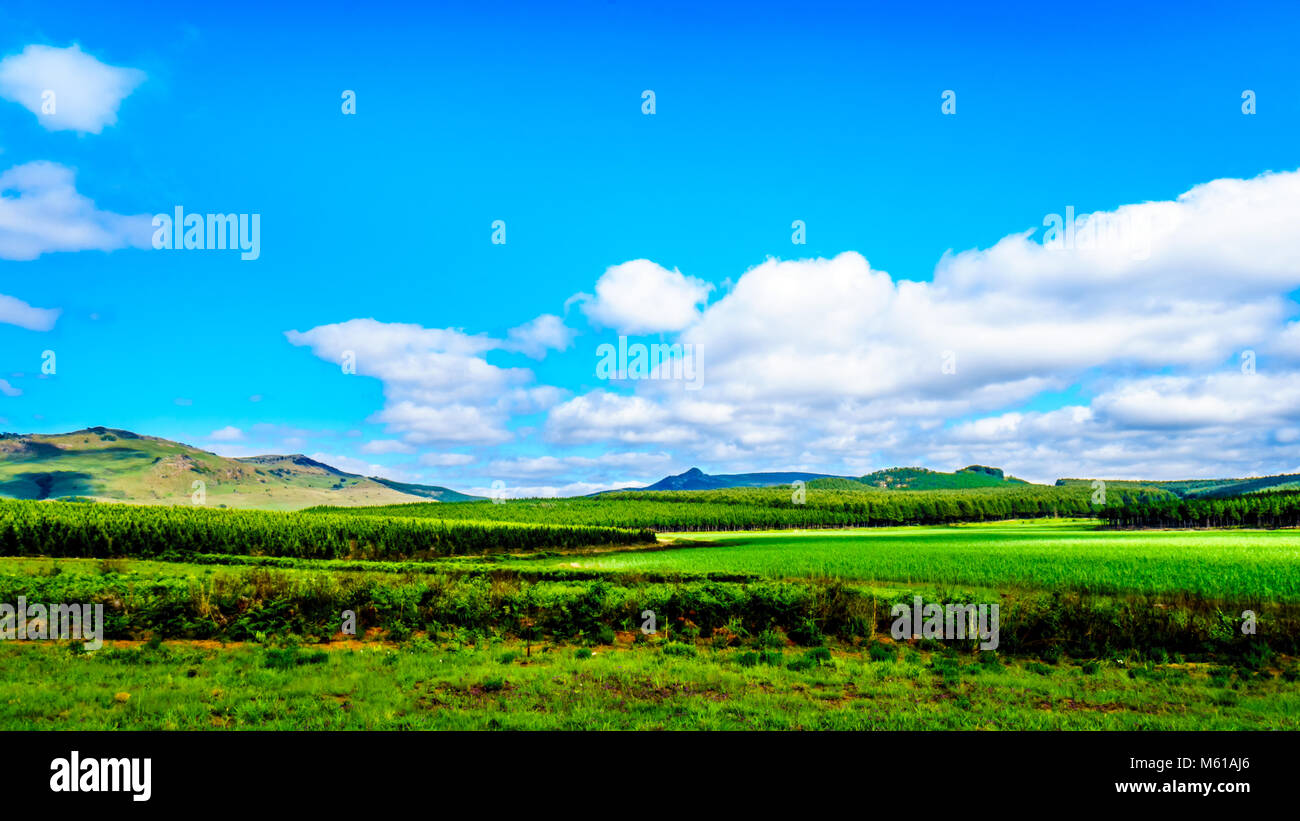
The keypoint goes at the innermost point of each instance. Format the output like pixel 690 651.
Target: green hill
pixel 1205 488
pixel 106 464
pixel 915 478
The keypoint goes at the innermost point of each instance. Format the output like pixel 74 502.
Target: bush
pixel 818 657
pixel 806 633
pixel 882 652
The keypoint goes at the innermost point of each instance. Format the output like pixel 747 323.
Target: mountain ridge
pixel 113 464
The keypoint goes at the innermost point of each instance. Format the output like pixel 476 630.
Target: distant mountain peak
pixel 696 479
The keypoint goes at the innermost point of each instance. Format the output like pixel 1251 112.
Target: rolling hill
pixel 696 479
pixel 107 464
pixel 1207 488
pixel 913 478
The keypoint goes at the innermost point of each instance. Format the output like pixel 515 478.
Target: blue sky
pixel 764 114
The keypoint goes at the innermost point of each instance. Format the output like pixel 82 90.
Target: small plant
pixel 817 657
pixel 683 650
pixel 285 658
pixel 399 632
pixel 882 652
pixel 807 634
pixel 582 653
pixel 110 566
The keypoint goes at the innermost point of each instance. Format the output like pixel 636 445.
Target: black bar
pixel 334 771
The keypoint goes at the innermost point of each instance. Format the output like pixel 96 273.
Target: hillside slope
pixel 116 465
pixel 1207 488
pixel 696 479
pixel 915 478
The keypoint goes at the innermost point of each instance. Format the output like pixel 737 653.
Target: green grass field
pixel 1041 554
pixel 497 685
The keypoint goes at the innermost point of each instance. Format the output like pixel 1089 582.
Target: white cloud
pixel 832 365
pixel 443 460
pixel 1224 424
pixel 640 297
pixel 226 434
pixel 438 385
pixel 84 93
pixel 379 447
pixel 645 464
pixel 41 212
pixel 551 491
pixel 834 362
pixel 535 338
pixel 14 311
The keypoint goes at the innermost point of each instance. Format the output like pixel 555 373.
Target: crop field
pixel 1073 555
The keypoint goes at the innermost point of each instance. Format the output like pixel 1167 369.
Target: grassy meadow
pixel 1074 555
pixel 501 684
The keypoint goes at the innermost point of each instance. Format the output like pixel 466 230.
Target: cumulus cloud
pixel 67 89
pixel 550 491
pixel 378 447
pixel 229 433
pixel 834 361
pixel 1225 423
pixel 14 311
pixel 643 464
pixel 441 460
pixel 41 212
pixel 639 297
pixel 535 338
pixel 439 387
pixel 1111 348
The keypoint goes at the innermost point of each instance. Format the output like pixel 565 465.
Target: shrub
pixel 882 652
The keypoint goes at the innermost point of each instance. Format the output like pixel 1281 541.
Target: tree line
pixel 1272 509
pixel 30 528
pixel 772 507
